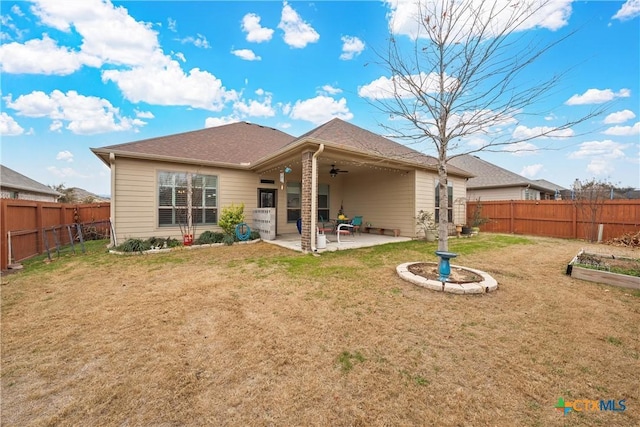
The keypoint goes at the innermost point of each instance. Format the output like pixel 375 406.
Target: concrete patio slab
pixel 292 241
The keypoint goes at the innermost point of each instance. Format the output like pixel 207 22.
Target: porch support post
pixel 307 173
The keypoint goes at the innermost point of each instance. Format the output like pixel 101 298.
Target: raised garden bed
pixel 608 269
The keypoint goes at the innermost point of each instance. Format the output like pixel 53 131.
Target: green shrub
pixel 134 245
pixel 173 243
pixel 209 237
pixel 228 239
pixel 255 235
pixel 230 217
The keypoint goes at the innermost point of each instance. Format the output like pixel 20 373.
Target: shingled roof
pixel 238 143
pixel 339 133
pixel 11 179
pixel 244 144
pixel 488 175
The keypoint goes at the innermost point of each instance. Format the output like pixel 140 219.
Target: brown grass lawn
pixel 258 335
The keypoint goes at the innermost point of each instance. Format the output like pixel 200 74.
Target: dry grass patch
pixel 258 335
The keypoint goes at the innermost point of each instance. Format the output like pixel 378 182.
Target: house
pixel 14 185
pixel 335 167
pixel 491 182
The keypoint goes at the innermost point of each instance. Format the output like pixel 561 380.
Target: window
pixel 530 194
pixel 294 201
pixel 323 201
pixel 450 200
pixel 173 196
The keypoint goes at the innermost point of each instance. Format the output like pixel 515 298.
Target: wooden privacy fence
pixel 35 225
pixel 564 219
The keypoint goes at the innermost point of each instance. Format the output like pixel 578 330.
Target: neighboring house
pixel 14 185
pixel 381 180
pixel 492 182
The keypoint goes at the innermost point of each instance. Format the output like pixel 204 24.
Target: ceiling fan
pixel 334 171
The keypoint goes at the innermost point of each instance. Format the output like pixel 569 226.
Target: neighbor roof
pixel 238 143
pixel 488 175
pixel 16 181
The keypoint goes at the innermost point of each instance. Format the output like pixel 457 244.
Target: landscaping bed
pixel 608 269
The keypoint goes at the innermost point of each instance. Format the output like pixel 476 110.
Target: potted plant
pixel 477 220
pixel 428 225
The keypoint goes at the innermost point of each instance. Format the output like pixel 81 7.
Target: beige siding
pixel 503 193
pixel 384 199
pixel 136 196
pixel 425 193
pixel 459 200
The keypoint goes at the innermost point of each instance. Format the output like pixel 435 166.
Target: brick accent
pixel 307 162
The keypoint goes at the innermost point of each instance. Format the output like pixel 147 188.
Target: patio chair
pixel 357 223
pixel 326 226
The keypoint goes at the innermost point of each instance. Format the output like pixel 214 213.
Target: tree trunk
pixel 443 223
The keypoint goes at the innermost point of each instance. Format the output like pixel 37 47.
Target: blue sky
pixel 90 73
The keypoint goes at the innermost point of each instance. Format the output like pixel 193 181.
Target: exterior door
pixel 266 198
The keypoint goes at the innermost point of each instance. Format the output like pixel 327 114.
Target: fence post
pixel 39 229
pixel 511 219
pixel 574 220
pixel 3 230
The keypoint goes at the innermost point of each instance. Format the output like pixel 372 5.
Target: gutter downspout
pixel 314 196
pixel 112 209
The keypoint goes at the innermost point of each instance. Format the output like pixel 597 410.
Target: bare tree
pixel 589 197
pixel 463 77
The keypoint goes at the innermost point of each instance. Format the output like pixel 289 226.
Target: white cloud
pixel 56 126
pixel 211 122
pixel 8 126
pixel 606 149
pixel 198 41
pixel 600 167
pixel 286 108
pixel 246 54
pixel 623 130
pixel 297 32
pixel 532 170
pixel 284 125
pixel 329 90
pixel 172 25
pixel 523 132
pixel 15 9
pixel 65 172
pixel 597 96
pixel 619 117
pixel 351 47
pixel 144 114
pixel 140 69
pixel 521 149
pixel 65 156
pixel 553 15
pixel 108 33
pixel 254 108
pixel 256 33
pixel 84 115
pixel 180 56
pixel 385 88
pixel 629 10
pixel 320 109
pixel 39 56
pixel 169 85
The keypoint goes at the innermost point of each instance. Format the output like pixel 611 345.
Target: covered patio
pixel 293 241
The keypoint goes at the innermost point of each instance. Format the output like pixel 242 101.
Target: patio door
pixel 266 198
